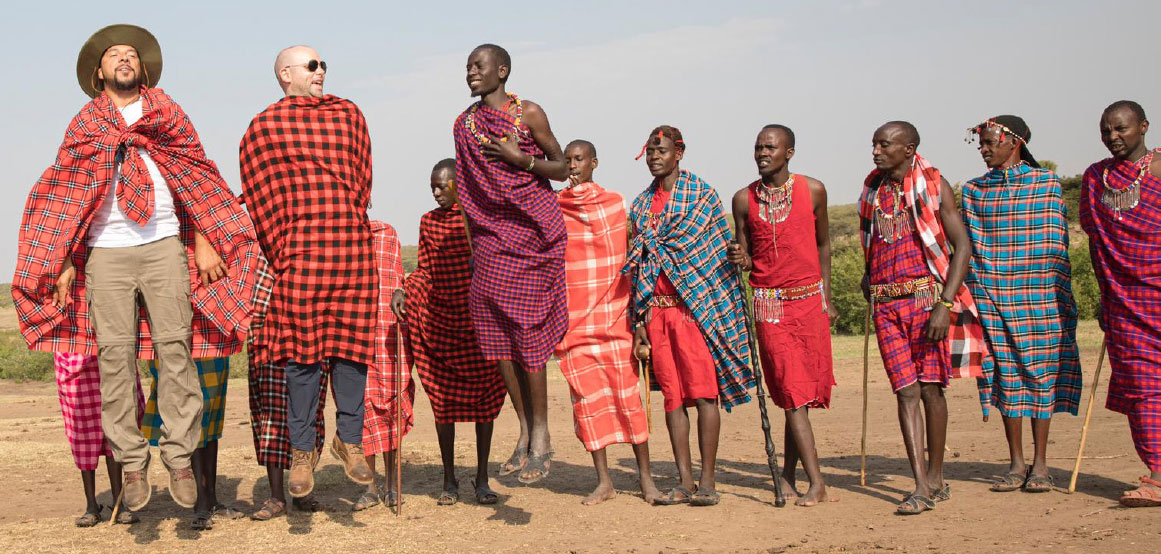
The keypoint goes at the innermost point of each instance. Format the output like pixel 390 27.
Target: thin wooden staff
pixel 645 365
pixel 1096 379
pixel 771 460
pixel 648 389
pixel 401 367
pixel 117 503
pixel 866 372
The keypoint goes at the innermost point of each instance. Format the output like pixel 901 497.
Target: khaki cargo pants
pixel 157 273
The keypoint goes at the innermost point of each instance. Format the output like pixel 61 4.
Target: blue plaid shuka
pixel 689 244
pixel 1021 280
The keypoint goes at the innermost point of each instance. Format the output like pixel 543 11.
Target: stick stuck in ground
pixel 1096 380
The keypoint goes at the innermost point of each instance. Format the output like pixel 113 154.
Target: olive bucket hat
pixel 89 59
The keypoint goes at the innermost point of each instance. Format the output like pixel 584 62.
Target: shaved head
pixel 500 55
pixel 446 164
pixel 582 143
pixel 1130 105
pixel 910 134
pixel 292 74
pixel 786 132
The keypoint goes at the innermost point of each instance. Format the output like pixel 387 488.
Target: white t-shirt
pixel 111 229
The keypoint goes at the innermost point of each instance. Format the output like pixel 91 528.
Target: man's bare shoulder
pixel 741 200
pixel 814 184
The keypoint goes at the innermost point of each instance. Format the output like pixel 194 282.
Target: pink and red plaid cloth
pixel 78 384
pixel 390 374
pixel 596 354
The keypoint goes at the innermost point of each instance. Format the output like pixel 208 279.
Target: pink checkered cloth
pixel 78 384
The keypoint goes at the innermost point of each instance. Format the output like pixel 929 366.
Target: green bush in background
pixel 19 363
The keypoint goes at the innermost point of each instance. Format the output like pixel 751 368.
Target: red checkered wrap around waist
pixel 792 293
pixel 906 288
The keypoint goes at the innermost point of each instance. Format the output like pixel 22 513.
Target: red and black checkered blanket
pixel 306 179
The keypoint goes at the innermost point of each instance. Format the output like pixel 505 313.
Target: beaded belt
pixel 792 293
pixel 665 301
pixel 924 290
pixel 768 302
pixel 662 301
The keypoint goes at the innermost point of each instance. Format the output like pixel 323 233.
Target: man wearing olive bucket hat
pixel 132 209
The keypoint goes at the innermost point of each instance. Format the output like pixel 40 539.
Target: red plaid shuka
pixel 62 203
pixel 461 384
pixel 596 355
pixel 306 179
pixel 1126 255
pixel 517 296
pixel 921 191
pixel 391 372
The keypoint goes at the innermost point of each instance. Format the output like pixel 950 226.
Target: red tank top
pixel 664 286
pixel 785 254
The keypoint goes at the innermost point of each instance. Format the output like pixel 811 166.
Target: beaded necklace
pixel 516 129
pixel 1015 166
pixel 776 201
pixel 896 224
pixel 1123 200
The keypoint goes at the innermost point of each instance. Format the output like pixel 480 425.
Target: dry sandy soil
pixel 44 493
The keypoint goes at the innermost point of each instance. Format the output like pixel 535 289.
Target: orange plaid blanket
pixel 596 353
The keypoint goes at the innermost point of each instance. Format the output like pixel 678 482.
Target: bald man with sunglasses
pixel 306 179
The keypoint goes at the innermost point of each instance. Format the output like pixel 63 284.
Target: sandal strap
pixel 1148 481
pixel 272 507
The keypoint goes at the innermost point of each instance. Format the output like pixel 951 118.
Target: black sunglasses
pixel 311 66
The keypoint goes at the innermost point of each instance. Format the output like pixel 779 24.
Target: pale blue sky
pixel 609 71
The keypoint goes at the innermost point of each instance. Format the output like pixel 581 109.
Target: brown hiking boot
pixel 183 488
pixel 353 461
pixel 136 489
pixel 302 463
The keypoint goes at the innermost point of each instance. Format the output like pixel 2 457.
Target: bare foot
pixel 814 495
pixel 602 493
pixel 650 491
pixel 788 486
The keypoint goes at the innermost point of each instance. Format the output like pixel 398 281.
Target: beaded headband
pixel 972 132
pixel 660 135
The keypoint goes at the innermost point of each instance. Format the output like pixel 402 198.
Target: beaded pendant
pixel 894 225
pixel 1123 200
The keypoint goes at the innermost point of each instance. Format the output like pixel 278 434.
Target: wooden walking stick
pixel 402 366
pixel 117 505
pixel 866 371
pixel 771 460
pixel 645 365
pixel 648 390
pixel 1096 379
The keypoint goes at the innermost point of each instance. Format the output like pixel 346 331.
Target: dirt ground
pixel 44 490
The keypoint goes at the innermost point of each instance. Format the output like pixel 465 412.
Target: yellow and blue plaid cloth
pixel 214 374
pixel 689 244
